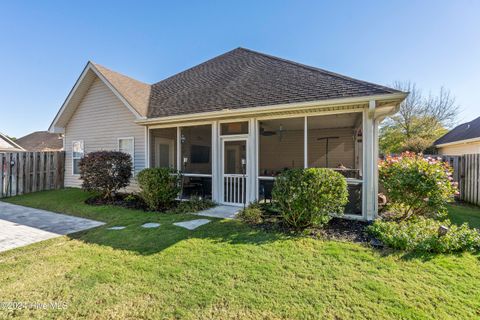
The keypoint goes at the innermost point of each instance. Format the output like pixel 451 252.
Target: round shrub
pixel 308 197
pixel 105 172
pixel 423 234
pixel 416 185
pixel 159 187
pixel 251 214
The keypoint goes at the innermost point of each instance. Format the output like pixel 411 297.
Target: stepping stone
pixel 150 225
pixel 116 228
pixel 192 224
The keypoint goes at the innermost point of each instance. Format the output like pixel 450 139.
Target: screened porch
pixel 236 162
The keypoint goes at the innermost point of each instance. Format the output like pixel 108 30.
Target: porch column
pixel 370 162
pixel 147 147
pixel 215 164
pixel 252 163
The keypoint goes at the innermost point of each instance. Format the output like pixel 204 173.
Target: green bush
pixel 416 185
pixel 308 197
pixel 251 214
pixel 422 234
pixel 159 187
pixel 194 204
pixel 105 172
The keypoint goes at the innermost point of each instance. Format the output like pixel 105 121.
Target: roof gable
pixel 243 78
pixel 464 131
pixel 8 145
pixel 134 94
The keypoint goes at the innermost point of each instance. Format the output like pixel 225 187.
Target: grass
pixel 460 213
pixel 224 270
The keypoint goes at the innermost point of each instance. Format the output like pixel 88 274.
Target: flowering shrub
pixel 416 185
pixel 422 234
pixel 307 197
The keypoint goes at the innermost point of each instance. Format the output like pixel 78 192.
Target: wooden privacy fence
pixel 25 172
pixel 466 171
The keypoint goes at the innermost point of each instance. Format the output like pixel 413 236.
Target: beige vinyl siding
pixel 459 149
pixel 100 119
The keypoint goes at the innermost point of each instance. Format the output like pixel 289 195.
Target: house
pixel 232 124
pixel 8 145
pixel 463 139
pixel 41 141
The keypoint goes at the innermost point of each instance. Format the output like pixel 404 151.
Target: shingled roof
pixel 41 141
pixel 244 78
pixel 464 131
pixel 135 92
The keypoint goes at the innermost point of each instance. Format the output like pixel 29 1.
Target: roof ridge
pixel 197 65
pixel 312 68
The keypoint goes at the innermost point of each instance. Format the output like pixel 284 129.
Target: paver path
pixel 21 226
pixel 221 211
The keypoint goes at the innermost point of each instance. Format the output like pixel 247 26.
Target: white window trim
pixel 133 155
pixel 73 158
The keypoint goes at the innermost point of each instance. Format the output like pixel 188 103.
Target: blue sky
pixel 44 45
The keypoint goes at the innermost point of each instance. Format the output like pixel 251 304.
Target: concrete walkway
pixel 21 226
pixel 221 211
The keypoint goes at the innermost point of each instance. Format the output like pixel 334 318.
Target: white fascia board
pixel 459 142
pixel 397 97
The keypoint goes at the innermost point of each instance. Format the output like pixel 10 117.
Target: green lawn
pixel 460 213
pixel 224 270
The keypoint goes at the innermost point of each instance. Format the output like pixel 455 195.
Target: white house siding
pixel 100 119
pixel 459 149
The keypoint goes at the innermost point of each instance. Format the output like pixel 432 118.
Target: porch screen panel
pixel 196 142
pixel 281 145
pixel 196 161
pixel 163 146
pixel 334 141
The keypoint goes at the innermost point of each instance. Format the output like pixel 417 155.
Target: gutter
pixel 477 139
pixel 395 97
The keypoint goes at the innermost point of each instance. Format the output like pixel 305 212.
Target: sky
pixel 44 45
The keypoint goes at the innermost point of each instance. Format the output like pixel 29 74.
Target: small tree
pixel 159 187
pixel 308 197
pixel 105 172
pixel 416 185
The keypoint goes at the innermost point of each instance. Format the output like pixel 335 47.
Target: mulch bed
pixel 337 229
pixel 129 201
pixel 344 230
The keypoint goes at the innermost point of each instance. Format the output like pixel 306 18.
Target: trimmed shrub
pixel 194 204
pixel 105 172
pixel 251 214
pixel 159 187
pixel 416 185
pixel 424 234
pixel 308 197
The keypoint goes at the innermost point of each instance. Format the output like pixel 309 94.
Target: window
pixel 127 145
pixel 78 152
pixel 233 128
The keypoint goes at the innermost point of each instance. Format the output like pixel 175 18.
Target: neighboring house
pixel 232 124
pixel 8 145
pixel 463 139
pixel 41 141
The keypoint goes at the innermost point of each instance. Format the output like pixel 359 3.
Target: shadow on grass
pixel 150 241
